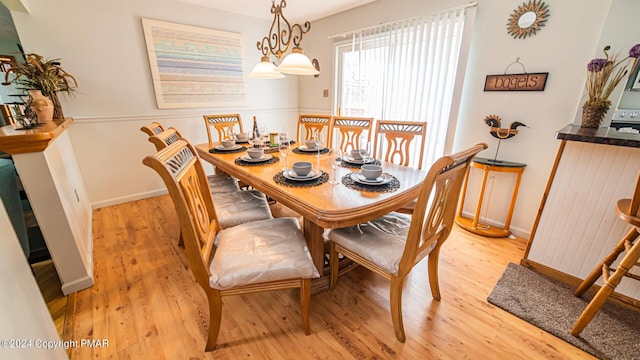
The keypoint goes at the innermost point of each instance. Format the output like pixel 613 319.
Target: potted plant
pixel 40 76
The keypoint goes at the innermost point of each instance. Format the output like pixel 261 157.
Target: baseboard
pixel 77 285
pixel 575 282
pixel 128 198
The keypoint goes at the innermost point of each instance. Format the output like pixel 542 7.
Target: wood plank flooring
pixel 147 305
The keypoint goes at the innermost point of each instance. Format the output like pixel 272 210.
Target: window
pixel 404 70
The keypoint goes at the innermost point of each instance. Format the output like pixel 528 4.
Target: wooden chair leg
pixel 395 299
pixel 333 264
pixel 305 301
pixel 597 271
pixel 433 273
pixel 215 316
pixel 607 289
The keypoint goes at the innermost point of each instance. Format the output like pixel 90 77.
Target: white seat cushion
pixel 238 207
pixel 222 183
pixel 261 251
pixel 381 241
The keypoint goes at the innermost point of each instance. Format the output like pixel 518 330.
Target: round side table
pixel 488 165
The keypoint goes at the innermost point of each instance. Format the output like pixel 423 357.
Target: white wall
pixel 23 311
pixel 101 43
pixel 562 47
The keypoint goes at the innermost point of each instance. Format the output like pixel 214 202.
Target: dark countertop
pixel 603 135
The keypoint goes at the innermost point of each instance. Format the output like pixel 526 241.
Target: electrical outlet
pixel 325 93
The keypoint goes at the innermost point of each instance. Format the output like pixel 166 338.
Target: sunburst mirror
pixel 527 19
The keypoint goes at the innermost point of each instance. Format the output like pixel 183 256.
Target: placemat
pixel 357 166
pixel 241 162
pixel 298 151
pixel 281 180
pixel 216 151
pixel 391 186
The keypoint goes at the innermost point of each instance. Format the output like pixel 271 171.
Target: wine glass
pixel 319 139
pixel 335 160
pixel 284 148
pixel 230 133
pixel 365 149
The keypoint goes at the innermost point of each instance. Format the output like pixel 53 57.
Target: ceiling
pixel 295 11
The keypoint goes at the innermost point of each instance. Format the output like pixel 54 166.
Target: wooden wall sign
pixel 516 82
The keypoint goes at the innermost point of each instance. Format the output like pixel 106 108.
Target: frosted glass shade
pixel 297 63
pixel 265 70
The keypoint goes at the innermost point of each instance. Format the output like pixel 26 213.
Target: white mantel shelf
pixel 49 173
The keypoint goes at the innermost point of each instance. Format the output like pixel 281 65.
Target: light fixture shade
pixel 297 63
pixel 265 70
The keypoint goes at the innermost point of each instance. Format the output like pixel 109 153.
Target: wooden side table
pixel 488 165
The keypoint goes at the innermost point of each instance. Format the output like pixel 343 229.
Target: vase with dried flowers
pixel 603 75
pixel 40 75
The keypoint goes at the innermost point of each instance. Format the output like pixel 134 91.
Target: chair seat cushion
pixel 381 241
pixel 261 251
pixel 222 183
pixel 238 207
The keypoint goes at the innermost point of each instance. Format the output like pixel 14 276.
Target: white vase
pixel 42 106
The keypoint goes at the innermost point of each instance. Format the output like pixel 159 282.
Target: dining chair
pixel 393 143
pixel 394 243
pixel 234 206
pixel 252 257
pixel 152 129
pixel 346 130
pixel 628 210
pixel 222 123
pixel 309 125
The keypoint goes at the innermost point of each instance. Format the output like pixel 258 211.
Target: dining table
pixel 321 204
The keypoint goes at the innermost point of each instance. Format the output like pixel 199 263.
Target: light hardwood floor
pixel 147 305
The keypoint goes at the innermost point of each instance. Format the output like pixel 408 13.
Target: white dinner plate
pixel 248 158
pixel 232 148
pixel 305 148
pixel 381 180
pixel 351 160
pixel 313 174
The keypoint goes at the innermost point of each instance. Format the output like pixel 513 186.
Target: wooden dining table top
pixel 327 205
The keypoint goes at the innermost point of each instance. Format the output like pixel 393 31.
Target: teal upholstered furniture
pixel 11 199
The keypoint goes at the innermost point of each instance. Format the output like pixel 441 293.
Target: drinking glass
pixel 319 139
pixel 365 149
pixel 335 159
pixel 284 148
pixel 230 133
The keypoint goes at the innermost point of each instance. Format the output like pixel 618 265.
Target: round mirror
pixel 527 19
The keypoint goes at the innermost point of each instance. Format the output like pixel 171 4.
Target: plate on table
pixel 305 148
pixel 231 148
pixel 248 158
pixel 351 160
pixel 381 180
pixel 291 175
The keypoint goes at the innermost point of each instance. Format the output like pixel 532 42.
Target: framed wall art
pixel 194 66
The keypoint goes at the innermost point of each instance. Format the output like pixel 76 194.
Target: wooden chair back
pixel 311 124
pixel 165 138
pixel 347 131
pixel 434 213
pixel 393 141
pixel 634 205
pixel 179 167
pixel 152 129
pixel 222 123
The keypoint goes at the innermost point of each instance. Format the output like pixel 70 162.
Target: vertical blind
pixel 404 70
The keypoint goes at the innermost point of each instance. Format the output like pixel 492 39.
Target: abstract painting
pixel 194 66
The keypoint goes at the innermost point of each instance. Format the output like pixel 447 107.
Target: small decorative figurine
pixel 501 133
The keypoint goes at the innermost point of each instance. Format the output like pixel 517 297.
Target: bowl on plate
pixel 310 144
pixel 242 136
pixel 301 168
pixel 255 153
pixel 371 172
pixel 228 143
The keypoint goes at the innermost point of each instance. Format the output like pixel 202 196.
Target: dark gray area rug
pixel 614 333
